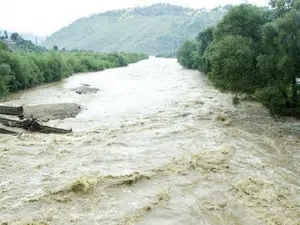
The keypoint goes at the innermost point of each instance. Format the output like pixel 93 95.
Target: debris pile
pixel 30 124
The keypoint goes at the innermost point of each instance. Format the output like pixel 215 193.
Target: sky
pixel 44 17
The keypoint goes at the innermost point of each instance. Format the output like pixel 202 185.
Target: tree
pixel 204 38
pixel 233 60
pixel 55 48
pixel 289 47
pixel 187 54
pixel 244 20
pixel 5 34
pixel 4 74
pixel 283 6
pixel 15 37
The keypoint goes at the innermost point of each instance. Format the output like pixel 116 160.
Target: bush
pixel 4 75
pixel 21 71
pixel 272 98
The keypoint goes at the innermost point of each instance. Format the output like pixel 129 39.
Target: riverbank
pixel 251 52
pixel 23 71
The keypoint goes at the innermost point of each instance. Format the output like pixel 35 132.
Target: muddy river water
pixel 156 145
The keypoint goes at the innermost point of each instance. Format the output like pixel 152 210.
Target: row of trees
pixel 25 70
pixel 4 35
pixel 253 50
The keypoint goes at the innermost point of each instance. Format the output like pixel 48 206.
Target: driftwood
pixel 33 125
pixel 30 124
pixel 11 110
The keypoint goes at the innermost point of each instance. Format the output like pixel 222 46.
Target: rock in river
pixel 46 112
pixel 85 90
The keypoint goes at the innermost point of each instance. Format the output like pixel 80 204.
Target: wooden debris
pixel 33 125
pixel 11 110
pixel 29 124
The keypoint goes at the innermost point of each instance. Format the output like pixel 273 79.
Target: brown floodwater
pixel 156 145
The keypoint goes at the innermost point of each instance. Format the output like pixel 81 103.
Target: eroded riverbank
pixel 157 144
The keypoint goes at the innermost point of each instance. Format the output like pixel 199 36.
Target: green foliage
pixel 279 63
pixel 21 71
pixel 273 99
pixel 283 6
pixel 18 44
pixel 187 55
pixel 156 29
pixel 205 39
pixel 3 46
pixel 166 55
pixel 233 64
pixel 244 20
pixel 254 50
pixel 4 74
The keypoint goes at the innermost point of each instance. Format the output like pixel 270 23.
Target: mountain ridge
pixel 155 29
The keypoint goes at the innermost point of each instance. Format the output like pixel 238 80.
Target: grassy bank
pixel 19 71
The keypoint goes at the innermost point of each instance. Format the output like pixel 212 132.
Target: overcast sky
pixel 44 17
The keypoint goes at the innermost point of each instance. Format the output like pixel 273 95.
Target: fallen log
pixel 49 130
pixel 11 110
pixel 33 125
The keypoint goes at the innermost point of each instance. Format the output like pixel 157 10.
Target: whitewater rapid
pixel 156 145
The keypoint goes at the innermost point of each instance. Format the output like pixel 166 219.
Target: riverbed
pixel 157 144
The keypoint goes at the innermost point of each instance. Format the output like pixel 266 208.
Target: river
pixel 156 145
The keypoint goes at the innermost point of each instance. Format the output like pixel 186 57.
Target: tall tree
pixel 204 38
pixel 289 47
pixel 244 20
pixel 15 37
pixel 283 6
pixel 186 54
pixel 233 60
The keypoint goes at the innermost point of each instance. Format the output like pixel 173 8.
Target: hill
pixel 17 43
pixel 156 29
pixel 26 36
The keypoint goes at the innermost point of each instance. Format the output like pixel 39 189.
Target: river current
pixel 156 145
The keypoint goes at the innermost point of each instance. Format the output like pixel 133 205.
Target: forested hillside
pixel 26 36
pixel 16 42
pixel 253 50
pixel 157 29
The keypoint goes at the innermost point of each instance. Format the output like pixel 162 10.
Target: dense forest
pixel 19 70
pixel 253 50
pixel 156 29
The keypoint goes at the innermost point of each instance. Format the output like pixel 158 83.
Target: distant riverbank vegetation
pixel 166 55
pixel 22 70
pixel 253 50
